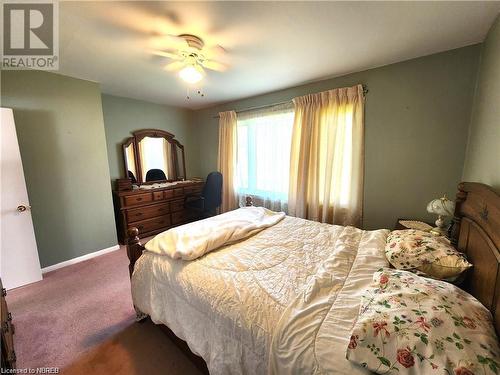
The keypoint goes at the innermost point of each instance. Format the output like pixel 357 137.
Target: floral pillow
pixel 412 324
pixel 418 250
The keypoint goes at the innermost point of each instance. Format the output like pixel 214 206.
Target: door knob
pixel 22 208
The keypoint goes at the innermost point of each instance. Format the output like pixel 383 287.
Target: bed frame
pixel 475 232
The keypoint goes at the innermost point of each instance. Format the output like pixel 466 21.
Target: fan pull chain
pixel 198 91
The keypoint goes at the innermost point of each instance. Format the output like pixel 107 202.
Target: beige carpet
pixel 80 318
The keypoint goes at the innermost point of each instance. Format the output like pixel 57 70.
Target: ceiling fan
pixel 190 57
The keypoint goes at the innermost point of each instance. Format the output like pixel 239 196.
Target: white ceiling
pixel 270 45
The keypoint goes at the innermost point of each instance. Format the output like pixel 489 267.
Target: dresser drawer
pixel 179 192
pixel 178 217
pixel 152 224
pixel 157 195
pixel 193 189
pixel 168 194
pixel 177 205
pixel 138 199
pixel 138 214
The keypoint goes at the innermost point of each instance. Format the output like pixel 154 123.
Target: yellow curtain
pixel 168 160
pixel 226 161
pixel 327 161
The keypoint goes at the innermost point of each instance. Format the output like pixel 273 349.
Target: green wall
pixel 416 119
pixel 124 115
pixel 482 162
pixel 63 148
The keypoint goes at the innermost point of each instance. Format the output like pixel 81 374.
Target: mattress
pixel 248 307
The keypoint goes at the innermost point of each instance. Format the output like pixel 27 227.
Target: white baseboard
pixel 80 259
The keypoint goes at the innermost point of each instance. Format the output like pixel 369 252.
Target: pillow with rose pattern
pixel 410 324
pixel 432 255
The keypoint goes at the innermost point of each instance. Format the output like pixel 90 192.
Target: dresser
pixel 7 340
pixel 153 211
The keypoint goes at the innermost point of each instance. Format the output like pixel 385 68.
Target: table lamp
pixel 442 207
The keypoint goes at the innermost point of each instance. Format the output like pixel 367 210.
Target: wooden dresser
pixel 7 341
pixel 152 210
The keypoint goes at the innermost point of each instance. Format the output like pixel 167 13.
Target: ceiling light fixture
pixel 191 73
pixel 190 55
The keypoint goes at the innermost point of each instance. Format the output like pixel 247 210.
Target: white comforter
pixel 293 287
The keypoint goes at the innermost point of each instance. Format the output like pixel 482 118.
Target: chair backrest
pixel 212 191
pixel 132 177
pixel 155 174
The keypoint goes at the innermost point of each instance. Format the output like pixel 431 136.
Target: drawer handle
pixel 138 214
pixel 9 317
pixel 138 199
pixel 140 227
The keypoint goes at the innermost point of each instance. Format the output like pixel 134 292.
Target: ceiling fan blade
pixel 170 55
pixel 214 52
pixel 175 41
pixel 176 65
pixel 214 65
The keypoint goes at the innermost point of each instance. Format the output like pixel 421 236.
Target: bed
pixel 236 310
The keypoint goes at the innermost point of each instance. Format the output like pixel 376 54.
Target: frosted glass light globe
pixel 190 74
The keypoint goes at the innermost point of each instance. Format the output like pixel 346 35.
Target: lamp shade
pixel 441 206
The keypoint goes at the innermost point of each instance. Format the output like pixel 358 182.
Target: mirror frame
pixel 138 135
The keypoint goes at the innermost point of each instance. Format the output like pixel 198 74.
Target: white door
pixel 19 263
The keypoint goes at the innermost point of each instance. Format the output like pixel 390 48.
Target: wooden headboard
pixel 476 233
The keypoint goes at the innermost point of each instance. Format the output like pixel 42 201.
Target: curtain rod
pixel 365 91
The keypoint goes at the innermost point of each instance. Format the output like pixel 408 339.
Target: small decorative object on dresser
pixel 7 341
pixel 443 207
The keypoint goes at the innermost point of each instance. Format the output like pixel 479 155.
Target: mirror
pixel 179 165
pixel 129 156
pixel 153 155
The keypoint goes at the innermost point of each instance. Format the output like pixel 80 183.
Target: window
pixel 263 160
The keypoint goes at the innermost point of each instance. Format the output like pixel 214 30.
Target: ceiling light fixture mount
pixel 193 41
